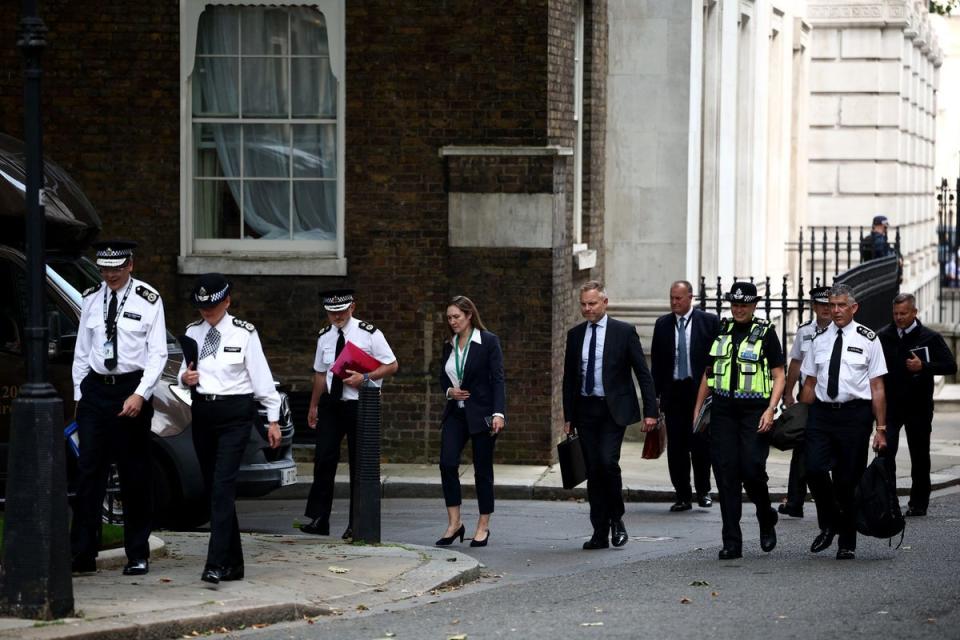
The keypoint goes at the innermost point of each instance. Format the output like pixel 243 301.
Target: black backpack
pixel 878 509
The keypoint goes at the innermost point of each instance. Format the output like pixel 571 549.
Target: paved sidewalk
pixel 643 480
pixel 287 578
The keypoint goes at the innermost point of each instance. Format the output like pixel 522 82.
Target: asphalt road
pixel 666 583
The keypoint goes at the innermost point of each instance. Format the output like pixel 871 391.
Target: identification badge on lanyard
pixel 109 350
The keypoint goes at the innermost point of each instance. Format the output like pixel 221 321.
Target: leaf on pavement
pixel 362 607
pixel 714 593
pixel 459 636
pixel 699 583
pixel 337 570
pixel 260 625
pixel 165 580
pixel 685 600
pixel 591 624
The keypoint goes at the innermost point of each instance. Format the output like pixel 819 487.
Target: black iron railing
pixel 948 242
pixel 825 251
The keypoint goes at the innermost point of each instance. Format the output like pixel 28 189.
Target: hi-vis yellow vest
pixel 753 373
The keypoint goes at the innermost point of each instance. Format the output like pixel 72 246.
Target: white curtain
pixel 297 84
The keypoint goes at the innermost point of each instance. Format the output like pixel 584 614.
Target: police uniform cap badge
pixel 112 254
pixel 149 295
pixel 866 333
pixel 335 300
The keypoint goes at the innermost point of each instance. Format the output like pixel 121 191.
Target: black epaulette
pixel 820 331
pixel 805 323
pixel 92 289
pixel 243 324
pixel 866 333
pixel 325 329
pixel 763 322
pixel 195 324
pixel 366 326
pixel 149 295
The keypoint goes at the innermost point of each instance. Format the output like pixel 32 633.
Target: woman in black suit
pixel 471 378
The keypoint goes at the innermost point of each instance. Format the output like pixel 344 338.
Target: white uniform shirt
pixel 363 335
pixel 238 367
pixel 141 335
pixel 802 343
pixel 861 360
pixel 598 358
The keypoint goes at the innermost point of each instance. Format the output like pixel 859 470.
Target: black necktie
pixel 336 387
pixel 833 379
pixel 591 360
pixel 111 363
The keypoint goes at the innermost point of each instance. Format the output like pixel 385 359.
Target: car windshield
pixel 74 275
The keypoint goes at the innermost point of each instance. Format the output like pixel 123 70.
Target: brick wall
pixel 419 76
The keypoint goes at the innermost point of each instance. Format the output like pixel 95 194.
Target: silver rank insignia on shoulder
pixel 763 322
pixel 92 289
pixel 195 324
pixel 243 324
pixel 366 326
pixel 147 294
pixel 326 329
pixel 866 333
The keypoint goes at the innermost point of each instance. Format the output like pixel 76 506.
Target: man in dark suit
pixel 914 354
pixel 599 401
pixel 681 341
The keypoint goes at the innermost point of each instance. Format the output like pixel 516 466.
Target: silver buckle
pixel 110 379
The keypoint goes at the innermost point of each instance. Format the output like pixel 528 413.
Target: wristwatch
pixel 366 377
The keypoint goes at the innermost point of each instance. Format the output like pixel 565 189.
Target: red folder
pixel 355 359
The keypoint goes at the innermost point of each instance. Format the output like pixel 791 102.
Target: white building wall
pixel 871 138
pixel 948 100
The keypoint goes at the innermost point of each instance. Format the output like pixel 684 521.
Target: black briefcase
pixel 573 470
pixel 790 427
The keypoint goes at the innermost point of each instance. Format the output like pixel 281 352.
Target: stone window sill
pixel 253 265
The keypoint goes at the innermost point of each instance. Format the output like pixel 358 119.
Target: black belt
pixel 592 398
pixel 115 378
pixel 849 404
pixel 214 397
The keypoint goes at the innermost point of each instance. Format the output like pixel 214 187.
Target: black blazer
pixel 704 328
pixel 908 393
pixel 622 353
pixel 482 377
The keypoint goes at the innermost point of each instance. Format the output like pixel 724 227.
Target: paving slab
pixel 288 577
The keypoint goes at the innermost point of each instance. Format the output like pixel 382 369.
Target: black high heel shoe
pixel 480 543
pixel 446 542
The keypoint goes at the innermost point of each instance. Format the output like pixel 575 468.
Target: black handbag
pixel 788 429
pixel 573 470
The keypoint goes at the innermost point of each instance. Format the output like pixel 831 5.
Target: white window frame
pixel 257 257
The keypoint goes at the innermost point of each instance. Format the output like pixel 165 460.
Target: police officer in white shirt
pixel 333 403
pixel 844 385
pixel 230 376
pixel 121 351
pixel 797 482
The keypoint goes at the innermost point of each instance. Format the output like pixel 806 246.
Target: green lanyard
pixel 457 364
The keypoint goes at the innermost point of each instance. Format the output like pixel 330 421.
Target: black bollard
pixel 366 486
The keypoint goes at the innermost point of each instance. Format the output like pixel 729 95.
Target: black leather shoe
pixel 768 534
pixel 481 543
pixel 845 554
pixel 788 509
pixel 84 565
pixel 683 505
pixel 597 541
pixel 348 534
pixel 730 553
pixel 446 542
pixel 913 512
pixel 231 573
pixel 211 575
pixel 136 568
pixel 618 534
pixel 822 541
pixel 317 527
pixel 705 501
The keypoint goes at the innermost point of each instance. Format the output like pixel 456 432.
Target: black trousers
pixel 106 438
pixel 685 446
pixel 918 428
pixel 797 481
pixel 837 440
pixel 221 431
pixel 335 419
pixel 453 438
pixel 739 456
pixel 601 439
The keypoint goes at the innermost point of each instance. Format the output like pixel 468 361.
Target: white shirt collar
pixel 225 320
pixel 686 316
pixel 913 325
pixel 602 322
pixel 474 337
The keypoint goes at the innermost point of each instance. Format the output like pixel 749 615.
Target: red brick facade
pixel 419 76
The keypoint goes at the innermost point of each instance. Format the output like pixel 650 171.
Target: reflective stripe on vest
pixel 753 379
